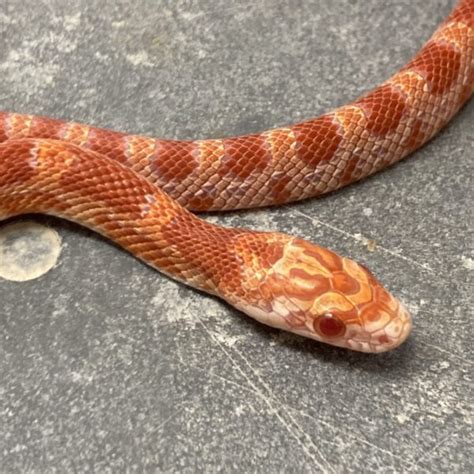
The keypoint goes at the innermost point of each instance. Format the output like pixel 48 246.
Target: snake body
pixel 138 191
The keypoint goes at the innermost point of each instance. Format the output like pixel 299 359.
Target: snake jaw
pixel 313 292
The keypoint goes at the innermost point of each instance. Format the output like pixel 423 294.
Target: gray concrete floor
pixel 106 364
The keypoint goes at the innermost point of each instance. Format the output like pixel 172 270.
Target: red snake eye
pixel 329 325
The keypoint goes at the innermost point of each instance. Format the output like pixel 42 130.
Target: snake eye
pixel 328 325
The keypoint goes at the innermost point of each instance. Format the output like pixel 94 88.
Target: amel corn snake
pixel 139 191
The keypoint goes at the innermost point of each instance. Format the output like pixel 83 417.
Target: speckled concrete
pixel 106 364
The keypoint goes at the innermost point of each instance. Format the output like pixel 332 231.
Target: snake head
pixel 308 290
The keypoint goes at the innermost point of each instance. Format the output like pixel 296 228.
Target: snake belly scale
pixel 139 191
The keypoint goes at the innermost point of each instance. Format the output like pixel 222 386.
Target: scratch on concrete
pixel 172 416
pixel 366 241
pixel 267 396
pixel 358 437
pixel 446 351
pixel 228 10
pixel 427 453
pixel 349 433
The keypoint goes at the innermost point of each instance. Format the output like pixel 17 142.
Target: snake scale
pixel 139 191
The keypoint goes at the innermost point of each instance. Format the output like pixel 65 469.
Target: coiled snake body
pixel 135 189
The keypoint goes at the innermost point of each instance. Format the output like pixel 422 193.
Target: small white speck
pixel 367 211
pixel 71 22
pixel 118 24
pixel 402 418
pixel 139 59
pixel 413 308
pixel 467 262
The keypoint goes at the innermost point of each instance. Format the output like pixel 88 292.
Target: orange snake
pixel 135 189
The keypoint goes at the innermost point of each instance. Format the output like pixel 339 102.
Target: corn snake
pixel 80 173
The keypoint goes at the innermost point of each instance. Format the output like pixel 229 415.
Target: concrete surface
pixel 107 365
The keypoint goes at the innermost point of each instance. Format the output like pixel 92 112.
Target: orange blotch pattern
pixel 305 286
pixel 109 143
pixel 439 64
pixel 343 282
pixel 384 108
pixel 174 161
pixel 244 156
pixel 317 140
pixel 463 13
